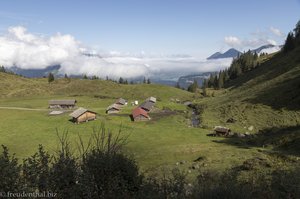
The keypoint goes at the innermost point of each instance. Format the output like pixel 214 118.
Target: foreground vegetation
pixel 101 170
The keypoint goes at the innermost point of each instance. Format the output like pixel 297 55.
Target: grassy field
pixel 159 143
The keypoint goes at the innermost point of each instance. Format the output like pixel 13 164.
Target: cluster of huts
pixel 78 116
pixel 139 113
pixel 117 106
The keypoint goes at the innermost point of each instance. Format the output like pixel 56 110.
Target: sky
pixel 135 31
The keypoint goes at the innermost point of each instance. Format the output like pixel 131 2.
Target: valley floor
pixel 167 141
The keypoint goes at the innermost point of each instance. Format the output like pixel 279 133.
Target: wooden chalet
pixel 114 108
pixel 83 115
pixel 121 102
pixel 62 104
pixel 147 106
pixel 151 99
pixel 221 130
pixel 139 114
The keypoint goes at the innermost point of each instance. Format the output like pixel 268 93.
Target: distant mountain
pixel 35 72
pixel 187 80
pixel 260 49
pixel 231 53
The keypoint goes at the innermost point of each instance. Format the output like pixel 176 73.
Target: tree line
pixel 293 39
pixel 121 80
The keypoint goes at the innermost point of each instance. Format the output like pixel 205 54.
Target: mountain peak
pixel 231 53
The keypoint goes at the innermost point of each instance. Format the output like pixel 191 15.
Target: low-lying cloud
pixel 25 50
pixel 270 36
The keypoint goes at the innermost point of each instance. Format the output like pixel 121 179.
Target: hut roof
pixel 151 99
pixel 138 111
pixel 79 112
pixel 187 103
pixel 114 106
pixel 222 129
pixel 148 105
pixel 62 102
pixel 121 101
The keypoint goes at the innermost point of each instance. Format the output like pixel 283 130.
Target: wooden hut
pixel 62 104
pixel 221 130
pixel 114 108
pixel 83 115
pixel 121 102
pixel 147 106
pixel 151 99
pixel 139 114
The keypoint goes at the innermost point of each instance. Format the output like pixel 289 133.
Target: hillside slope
pixel 266 97
pixel 16 86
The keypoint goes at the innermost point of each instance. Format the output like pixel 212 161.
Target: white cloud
pixel 249 43
pixel 30 51
pixel 270 41
pixel 276 32
pixel 233 41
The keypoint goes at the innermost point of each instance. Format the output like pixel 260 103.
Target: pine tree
pixel 297 33
pixel 85 76
pixel 2 69
pixel 144 81
pixel 211 81
pixel 121 80
pixel 193 87
pixel 204 86
pixel 216 82
pixel 226 76
pixel 221 80
pixel 148 81
pixel 289 43
pixel 66 76
pixel 50 77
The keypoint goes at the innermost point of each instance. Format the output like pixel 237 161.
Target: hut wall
pixel 86 116
pixel 112 111
pixel 141 118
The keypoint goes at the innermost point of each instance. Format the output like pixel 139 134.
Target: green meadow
pixel 263 103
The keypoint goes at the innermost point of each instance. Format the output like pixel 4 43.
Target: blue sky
pixel 156 26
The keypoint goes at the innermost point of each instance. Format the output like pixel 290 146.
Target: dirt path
pixel 23 109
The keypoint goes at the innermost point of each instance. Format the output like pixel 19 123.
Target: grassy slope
pixel 267 98
pixel 12 86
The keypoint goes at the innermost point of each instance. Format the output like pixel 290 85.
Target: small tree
pixel 121 80
pixel 193 87
pixel 50 77
pixel 148 81
pixel 144 81
pixel 85 76
pixel 2 69
pixel 204 86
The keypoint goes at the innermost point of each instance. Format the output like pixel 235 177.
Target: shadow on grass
pixel 278 79
pixel 282 95
pixel 285 140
